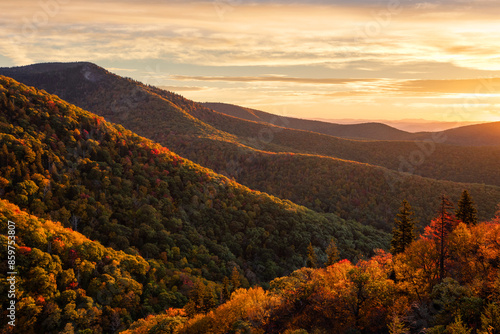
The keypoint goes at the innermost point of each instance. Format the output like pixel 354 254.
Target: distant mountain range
pixel 409 125
pixel 364 180
pixel 121 222
pixel 487 134
pixel 377 131
pixel 112 227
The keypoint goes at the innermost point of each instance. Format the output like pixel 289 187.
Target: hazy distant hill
pixel 323 172
pixel 408 125
pixel 426 157
pixel 377 131
pixel 487 134
pixel 479 134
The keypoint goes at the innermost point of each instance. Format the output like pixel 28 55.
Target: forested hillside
pixel 431 157
pixel 245 150
pixel 171 234
pixel 388 293
pixel 192 226
pixel 66 281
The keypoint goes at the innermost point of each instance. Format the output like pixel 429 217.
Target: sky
pixel 358 59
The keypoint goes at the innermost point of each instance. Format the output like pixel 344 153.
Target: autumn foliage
pixel 160 231
pixel 117 233
pixel 384 294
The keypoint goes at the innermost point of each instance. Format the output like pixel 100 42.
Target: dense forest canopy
pixel 359 180
pixel 387 293
pixel 186 225
pixel 117 232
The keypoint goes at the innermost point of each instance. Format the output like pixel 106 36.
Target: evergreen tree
pixel 404 232
pixel 210 297
pixel 466 212
pixel 332 252
pixel 312 259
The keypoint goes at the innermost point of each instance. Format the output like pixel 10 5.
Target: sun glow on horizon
pixel 318 60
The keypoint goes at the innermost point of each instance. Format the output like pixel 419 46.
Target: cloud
pixel 314 81
pixel 483 88
pixel 319 53
pixel 183 88
pixel 466 86
pixel 15 52
pixel 271 33
pixel 121 69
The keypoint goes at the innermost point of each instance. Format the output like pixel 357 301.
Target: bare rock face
pixel 90 72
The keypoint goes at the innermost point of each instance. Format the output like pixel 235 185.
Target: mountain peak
pixel 49 67
pixel 87 70
pixel 92 72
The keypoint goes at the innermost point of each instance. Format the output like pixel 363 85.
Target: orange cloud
pixel 322 81
pixel 466 86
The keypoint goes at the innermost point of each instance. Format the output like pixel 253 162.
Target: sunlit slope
pixel 226 144
pixel 168 117
pixel 118 99
pixel 481 134
pixel 64 163
pixel 65 280
pixel 369 194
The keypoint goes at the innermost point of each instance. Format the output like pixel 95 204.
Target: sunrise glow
pixel 391 60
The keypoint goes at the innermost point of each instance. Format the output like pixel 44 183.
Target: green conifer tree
pixel 466 211
pixel 404 232
pixel 225 292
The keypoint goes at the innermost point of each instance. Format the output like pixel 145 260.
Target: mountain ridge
pixel 99 177
pixel 236 148
pixel 483 134
pixel 369 130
